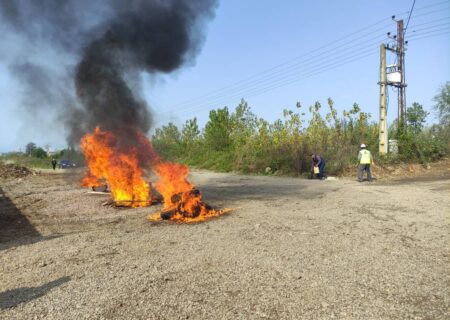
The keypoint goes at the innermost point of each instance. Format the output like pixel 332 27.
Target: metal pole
pixel 383 134
pixel 401 63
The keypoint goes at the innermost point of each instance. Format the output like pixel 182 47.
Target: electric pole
pixel 401 66
pixel 383 134
pixel 392 75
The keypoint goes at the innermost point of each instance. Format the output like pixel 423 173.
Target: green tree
pixel 39 153
pixel 442 105
pixel 243 124
pixel 167 141
pixel 190 139
pixel 218 129
pixel 190 131
pixel 415 117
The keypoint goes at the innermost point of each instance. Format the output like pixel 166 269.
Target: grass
pixel 27 161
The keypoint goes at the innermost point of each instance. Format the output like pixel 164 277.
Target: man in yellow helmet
pixel 364 159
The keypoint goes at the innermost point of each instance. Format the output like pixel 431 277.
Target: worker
pixel 364 159
pixel 54 163
pixel 318 162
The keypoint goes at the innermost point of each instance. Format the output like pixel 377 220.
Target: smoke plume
pixel 112 42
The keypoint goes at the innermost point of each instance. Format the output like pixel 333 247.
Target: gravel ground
pixel 290 249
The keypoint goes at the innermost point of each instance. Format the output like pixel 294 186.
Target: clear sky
pixel 273 54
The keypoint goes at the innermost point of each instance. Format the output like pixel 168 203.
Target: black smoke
pixel 115 41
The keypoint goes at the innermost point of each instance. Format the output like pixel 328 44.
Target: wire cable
pixel 288 80
pixel 321 70
pixel 268 71
pixel 293 69
pixel 268 76
pixel 409 17
pixel 323 66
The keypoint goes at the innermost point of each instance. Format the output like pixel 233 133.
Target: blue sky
pixel 247 38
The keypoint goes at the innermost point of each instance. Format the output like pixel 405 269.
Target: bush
pixel 39 153
pixel 241 141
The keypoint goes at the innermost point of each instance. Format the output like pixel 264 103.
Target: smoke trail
pixel 116 40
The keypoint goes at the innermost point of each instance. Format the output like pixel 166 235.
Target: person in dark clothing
pixel 54 163
pixel 319 162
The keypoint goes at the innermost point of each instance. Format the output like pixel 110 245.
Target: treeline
pixel 37 157
pixel 240 141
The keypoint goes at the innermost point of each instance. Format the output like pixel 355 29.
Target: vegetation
pixel 241 141
pixel 37 157
pixel 442 106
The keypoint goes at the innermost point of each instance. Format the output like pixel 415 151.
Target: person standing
pixel 54 163
pixel 365 160
pixel 319 162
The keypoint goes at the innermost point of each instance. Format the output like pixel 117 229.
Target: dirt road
pixel 290 249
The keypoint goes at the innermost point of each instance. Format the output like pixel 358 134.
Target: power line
pixel 432 35
pixel 429 22
pixel 308 72
pixel 414 37
pixel 445 2
pixel 428 13
pixel 288 72
pixel 288 80
pixel 313 74
pixel 268 71
pixel 285 77
pixel 409 17
pixel 328 67
pixel 444 25
pixel 258 91
pixel 293 69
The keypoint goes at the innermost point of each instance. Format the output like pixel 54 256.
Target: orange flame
pixel 120 164
pixel 182 201
pixel 121 170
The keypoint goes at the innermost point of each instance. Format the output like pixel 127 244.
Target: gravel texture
pixel 290 249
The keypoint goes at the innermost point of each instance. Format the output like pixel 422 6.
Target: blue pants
pixel 321 170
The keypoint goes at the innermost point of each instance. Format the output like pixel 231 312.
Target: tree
pixel 218 129
pixel 190 131
pixel 243 124
pixel 190 138
pixel 167 141
pixel 415 117
pixel 442 105
pixel 29 148
pixel 39 153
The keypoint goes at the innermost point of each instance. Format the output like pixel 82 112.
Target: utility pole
pixel 392 75
pixel 401 65
pixel 383 134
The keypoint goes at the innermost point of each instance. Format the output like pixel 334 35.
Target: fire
pixel 121 166
pixel 118 165
pixel 182 201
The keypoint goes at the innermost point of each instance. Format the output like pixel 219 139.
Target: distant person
pixel 364 159
pixel 319 163
pixel 54 163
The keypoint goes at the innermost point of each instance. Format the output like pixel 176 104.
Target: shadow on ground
pixel 268 189
pixel 12 298
pixel 440 177
pixel 15 228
